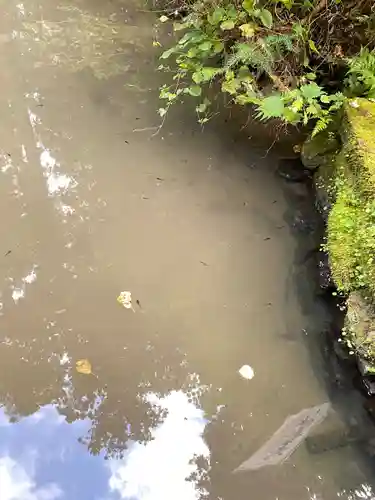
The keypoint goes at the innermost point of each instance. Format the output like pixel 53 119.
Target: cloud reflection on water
pixel 42 459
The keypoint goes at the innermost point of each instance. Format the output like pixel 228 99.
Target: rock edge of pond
pixel 338 165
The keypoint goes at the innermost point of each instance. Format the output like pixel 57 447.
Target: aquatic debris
pixel 84 366
pixel 286 439
pixel 246 372
pixel 125 299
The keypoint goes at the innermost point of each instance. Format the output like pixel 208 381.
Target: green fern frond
pixel 361 74
pixel 251 54
pixel 321 125
pixel 279 44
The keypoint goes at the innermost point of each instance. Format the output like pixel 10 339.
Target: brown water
pixel 195 225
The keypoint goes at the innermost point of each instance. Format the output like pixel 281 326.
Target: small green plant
pixel 264 53
pixel 361 74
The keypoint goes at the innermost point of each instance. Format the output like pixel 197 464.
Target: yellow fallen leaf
pixel 84 366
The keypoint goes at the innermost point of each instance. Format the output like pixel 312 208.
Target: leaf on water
pixel 163 19
pixel 84 366
pixel 125 299
pixel 246 372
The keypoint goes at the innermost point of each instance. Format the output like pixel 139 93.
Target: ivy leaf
pixel 216 16
pixel 247 30
pixel 202 107
pixel 266 17
pixel 227 25
pixel 205 46
pixel 180 26
pixel 204 74
pixel 325 99
pixel 313 47
pixel 163 19
pixel 218 47
pixel 194 90
pixel 168 53
pixel 288 3
pixel 231 86
pixel 162 112
pixel 249 5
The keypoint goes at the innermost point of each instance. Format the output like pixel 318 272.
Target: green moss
pixel 359 330
pixel 319 151
pixel 351 223
pixel 358 133
pixel 351 238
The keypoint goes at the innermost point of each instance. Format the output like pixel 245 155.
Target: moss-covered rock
pixel 351 222
pixel 318 154
pixel 358 135
pixel 345 190
pixel 360 330
pixel 320 150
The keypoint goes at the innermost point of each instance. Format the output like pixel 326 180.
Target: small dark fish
pixel 138 304
pixel 7 253
pixel 203 263
pixel 159 179
pixel 126 142
pixel 266 239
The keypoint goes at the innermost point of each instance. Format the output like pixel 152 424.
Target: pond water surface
pixel 95 200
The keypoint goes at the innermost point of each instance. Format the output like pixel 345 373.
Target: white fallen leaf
pixel 125 299
pixel 163 19
pixel 246 372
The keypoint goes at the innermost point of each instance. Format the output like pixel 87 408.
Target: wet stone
pixel 292 170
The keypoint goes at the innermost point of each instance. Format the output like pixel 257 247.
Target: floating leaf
pixel 163 19
pixel 162 112
pixel 83 366
pixel 246 372
pixel 125 298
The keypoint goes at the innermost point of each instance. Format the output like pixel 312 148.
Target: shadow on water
pixel 350 426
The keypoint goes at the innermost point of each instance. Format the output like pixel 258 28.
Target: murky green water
pixel 195 226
